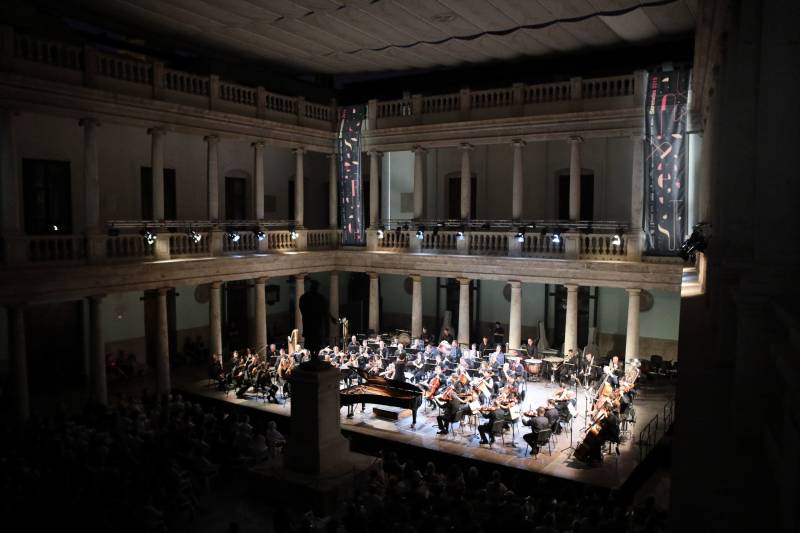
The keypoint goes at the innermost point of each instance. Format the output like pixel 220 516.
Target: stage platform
pixel 464 442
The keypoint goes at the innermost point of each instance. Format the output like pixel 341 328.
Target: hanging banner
pixel 351 205
pixel 665 162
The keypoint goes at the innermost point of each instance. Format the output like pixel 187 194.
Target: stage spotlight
pixel 421 233
pixel 149 237
pixel 697 242
pixel 195 236
pixel 616 240
pixel 380 232
pixel 556 238
pixel 293 233
pixel 460 233
pixel 55 228
pixel 260 235
pixel 521 235
pixel 234 236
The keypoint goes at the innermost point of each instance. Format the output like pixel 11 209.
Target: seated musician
pixel 425 336
pixel 616 371
pixel 536 423
pixel 492 414
pixel 484 346
pixel 418 344
pixel 455 352
pixel 353 346
pixel 531 349
pixel 553 416
pixel 383 351
pixel 215 371
pixel 265 383
pixel 418 368
pixel 389 372
pixel 586 369
pixel 499 355
pixel 611 427
pixel 447 336
pixel 471 355
pixel 451 408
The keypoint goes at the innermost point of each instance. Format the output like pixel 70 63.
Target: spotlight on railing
pixel 421 233
pixel 195 236
pixel 460 233
pixel 380 232
pixel 556 238
pixel 292 233
pixel 260 235
pixel 234 236
pixel 149 237
pixel 55 228
pixel 520 235
pixel 616 240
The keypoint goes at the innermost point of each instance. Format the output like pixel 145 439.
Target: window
pixel 235 198
pixel 170 211
pixel 47 196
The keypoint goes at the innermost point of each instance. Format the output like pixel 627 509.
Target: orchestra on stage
pixel 484 385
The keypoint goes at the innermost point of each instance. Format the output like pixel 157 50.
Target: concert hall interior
pixel 541 280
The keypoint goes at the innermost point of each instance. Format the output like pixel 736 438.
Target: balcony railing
pixel 128 75
pixel 149 240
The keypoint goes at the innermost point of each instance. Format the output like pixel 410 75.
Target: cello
pixel 589 447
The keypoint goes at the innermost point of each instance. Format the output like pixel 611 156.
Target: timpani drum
pixel 534 366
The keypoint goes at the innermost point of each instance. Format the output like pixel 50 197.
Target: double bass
pixel 589 447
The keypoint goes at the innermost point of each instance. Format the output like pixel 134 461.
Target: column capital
pixel 466 147
pixel 373 275
pixel 515 284
pixel 634 291
pixel 518 143
pixel 571 287
pixel 463 281
pixel 89 121
pixel 375 153
pixel 163 290
pixel 300 150
pixel 156 131
pixel 300 277
pixel 575 139
pixel 211 139
pixel 215 285
pixel 258 144
pixel 416 278
pixel 419 149
pixel 260 281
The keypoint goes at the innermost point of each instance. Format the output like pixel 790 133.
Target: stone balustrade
pixel 56 248
pixel 84 65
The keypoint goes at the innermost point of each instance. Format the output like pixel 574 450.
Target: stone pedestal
pixel 316 445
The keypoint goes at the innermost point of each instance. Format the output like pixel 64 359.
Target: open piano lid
pixel 389 383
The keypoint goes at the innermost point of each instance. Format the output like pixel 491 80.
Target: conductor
pixel 313 308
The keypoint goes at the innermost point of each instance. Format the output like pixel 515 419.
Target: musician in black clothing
pixel 425 336
pixel 492 416
pixel 485 346
pixel 400 365
pixel 586 369
pixel 353 346
pixel 553 416
pixel 611 428
pixel 536 423
pixel 449 414
pixel 447 336
pixel 499 333
pixel 531 348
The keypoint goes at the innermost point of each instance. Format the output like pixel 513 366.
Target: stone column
pixel 575 178
pixel 466 181
pixel 299 290
pixel 163 385
pixel 515 318
pixel 258 180
pixel 419 181
pixel 299 196
pixel 571 329
pixel 632 333
pixel 517 180
pixel 463 310
pixel 212 173
pixel 374 188
pixel 215 317
pixel 98 352
pixel 91 175
pixel 18 360
pixel 333 192
pixel 333 303
pixel 416 306
pixel 261 313
pixel 9 176
pixel 157 171
pixel 374 302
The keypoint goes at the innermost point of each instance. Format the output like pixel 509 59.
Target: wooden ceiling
pixel 350 36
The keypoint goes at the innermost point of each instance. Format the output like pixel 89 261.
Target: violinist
pixel 451 407
pixel 553 416
pixel 537 422
pixel 492 413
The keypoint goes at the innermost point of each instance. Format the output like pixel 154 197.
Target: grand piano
pixel 381 391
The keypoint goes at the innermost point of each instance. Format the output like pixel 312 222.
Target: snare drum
pixel 534 366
